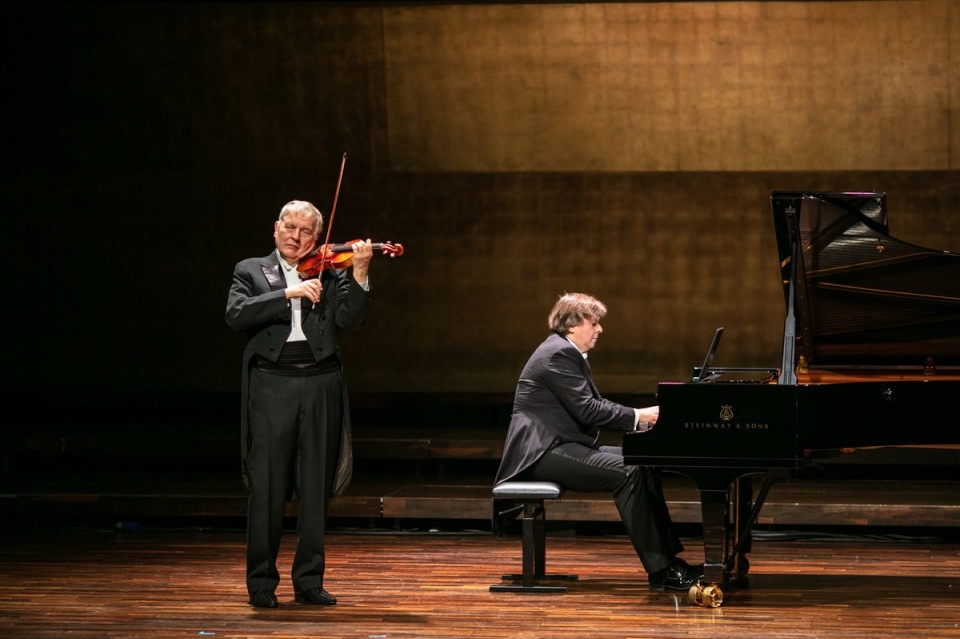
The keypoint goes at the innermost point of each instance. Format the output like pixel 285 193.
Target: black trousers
pixel 637 492
pixel 295 428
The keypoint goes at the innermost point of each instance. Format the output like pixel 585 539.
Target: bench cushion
pixel 527 490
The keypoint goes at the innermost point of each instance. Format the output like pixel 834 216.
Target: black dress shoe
pixel 263 599
pixel 679 575
pixel 315 596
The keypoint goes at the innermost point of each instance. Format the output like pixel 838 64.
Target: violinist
pixel 295 419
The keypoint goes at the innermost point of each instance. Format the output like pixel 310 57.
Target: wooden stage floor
pixel 152 583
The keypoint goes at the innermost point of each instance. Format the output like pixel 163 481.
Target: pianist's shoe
pixel 679 575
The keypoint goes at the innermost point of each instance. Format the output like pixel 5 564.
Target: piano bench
pixel 511 499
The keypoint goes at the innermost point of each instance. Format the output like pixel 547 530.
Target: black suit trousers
pixel 637 492
pixel 295 426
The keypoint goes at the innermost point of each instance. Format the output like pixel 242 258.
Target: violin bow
pixel 336 194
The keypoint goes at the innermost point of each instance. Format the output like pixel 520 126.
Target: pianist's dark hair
pixel 571 309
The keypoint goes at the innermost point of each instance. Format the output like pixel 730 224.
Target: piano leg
pixel 728 512
pixel 714 506
pixel 742 500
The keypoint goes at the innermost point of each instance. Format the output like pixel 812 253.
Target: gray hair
pixel 305 209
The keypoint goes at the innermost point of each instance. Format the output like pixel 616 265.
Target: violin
pixel 339 256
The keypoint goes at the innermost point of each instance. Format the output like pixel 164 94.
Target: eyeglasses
pixel 292 229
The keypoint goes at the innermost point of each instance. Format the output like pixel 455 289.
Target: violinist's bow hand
pixel 310 289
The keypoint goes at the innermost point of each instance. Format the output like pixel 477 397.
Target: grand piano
pixel 871 357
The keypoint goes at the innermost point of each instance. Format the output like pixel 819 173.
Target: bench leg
pixel 533 556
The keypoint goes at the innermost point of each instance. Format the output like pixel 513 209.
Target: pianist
pixel 557 416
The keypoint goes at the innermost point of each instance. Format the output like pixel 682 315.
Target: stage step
pixel 417 457
pixel 806 502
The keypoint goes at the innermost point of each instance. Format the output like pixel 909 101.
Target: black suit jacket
pixel 556 402
pixel 258 307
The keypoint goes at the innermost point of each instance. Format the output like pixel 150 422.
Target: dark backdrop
pixel 150 146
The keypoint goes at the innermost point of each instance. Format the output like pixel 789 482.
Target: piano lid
pixel 862 298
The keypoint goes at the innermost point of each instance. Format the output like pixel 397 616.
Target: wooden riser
pixel 805 502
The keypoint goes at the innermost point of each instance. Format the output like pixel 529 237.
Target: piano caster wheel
pixel 706 595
